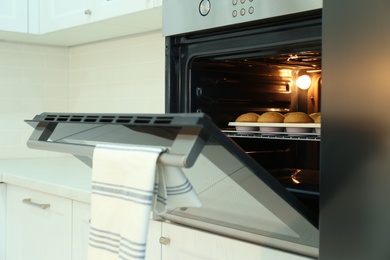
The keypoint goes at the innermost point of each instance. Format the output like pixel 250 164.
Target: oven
pixel 255 68
pixel 239 57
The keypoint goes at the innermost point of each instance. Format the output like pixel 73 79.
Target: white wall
pixel 123 76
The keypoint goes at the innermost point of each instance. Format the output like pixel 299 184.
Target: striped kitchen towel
pixel 124 179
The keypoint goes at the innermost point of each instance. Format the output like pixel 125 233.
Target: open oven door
pixel 239 197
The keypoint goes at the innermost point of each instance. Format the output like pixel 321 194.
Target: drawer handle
pixel 42 206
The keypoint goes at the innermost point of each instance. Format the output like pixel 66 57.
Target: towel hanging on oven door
pixel 127 183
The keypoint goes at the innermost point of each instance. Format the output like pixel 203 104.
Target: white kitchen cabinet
pixel 2 221
pixel 39 225
pixel 80 230
pixel 74 22
pixel 14 15
pixel 106 9
pixel 57 15
pixel 153 247
pixel 190 244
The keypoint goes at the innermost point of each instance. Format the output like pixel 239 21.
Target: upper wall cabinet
pixel 13 15
pixel 107 9
pixel 74 22
pixel 58 15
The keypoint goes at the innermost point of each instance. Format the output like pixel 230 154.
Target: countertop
pixel 66 177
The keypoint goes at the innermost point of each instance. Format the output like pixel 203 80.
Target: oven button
pixel 242 12
pixel 242 1
pixel 204 7
pixel 251 10
pixel 234 2
pixel 234 14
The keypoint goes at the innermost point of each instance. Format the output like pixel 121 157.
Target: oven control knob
pixel 204 7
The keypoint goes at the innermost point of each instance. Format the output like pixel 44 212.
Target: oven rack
pixel 273 135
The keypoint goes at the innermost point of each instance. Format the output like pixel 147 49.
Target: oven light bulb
pixel 304 82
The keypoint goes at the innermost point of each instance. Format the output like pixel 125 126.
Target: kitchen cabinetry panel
pixel 38 225
pixel 203 245
pixel 57 15
pixel 13 16
pixel 80 230
pixel 74 22
pixel 113 8
pixel 2 221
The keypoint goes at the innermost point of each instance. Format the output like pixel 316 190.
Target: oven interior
pixel 225 87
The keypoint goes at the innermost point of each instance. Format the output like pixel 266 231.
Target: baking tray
pixel 291 129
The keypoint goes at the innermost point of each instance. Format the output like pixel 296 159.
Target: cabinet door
pixel 81 219
pixel 38 225
pixel 56 15
pixel 191 244
pixel 2 221
pixel 153 247
pixel 13 15
pixel 114 8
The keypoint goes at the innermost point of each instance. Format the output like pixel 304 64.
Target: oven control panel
pixel 242 7
pixel 180 17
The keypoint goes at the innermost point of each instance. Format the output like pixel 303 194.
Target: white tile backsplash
pixel 119 76
pixel 123 75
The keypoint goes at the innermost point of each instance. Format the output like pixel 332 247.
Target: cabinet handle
pixel 164 240
pixel 42 206
pixel 87 12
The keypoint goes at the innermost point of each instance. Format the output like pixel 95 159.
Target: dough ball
pixel 248 117
pixel 298 117
pixel 271 117
pixel 315 115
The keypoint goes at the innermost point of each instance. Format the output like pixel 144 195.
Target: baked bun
pixel 298 117
pixel 248 117
pixel 318 120
pixel 271 117
pixel 315 115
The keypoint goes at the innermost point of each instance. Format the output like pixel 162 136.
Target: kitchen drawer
pixel 38 225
